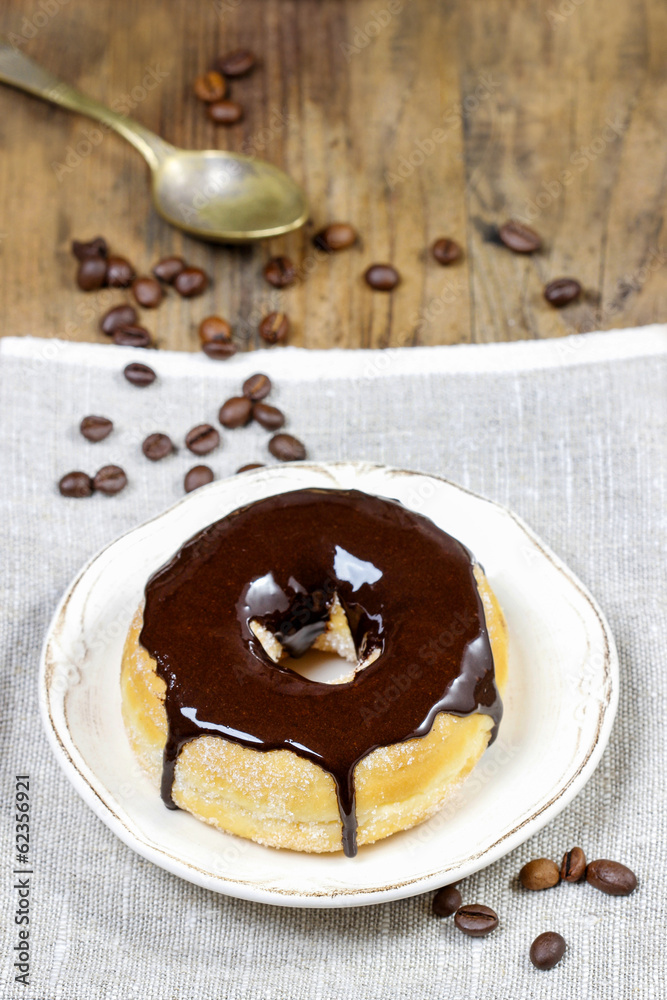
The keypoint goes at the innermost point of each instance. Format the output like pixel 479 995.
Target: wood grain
pixel 410 118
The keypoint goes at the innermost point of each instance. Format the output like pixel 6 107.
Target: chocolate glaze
pixel 407 588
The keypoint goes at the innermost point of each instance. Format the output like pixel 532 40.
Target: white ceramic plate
pixel 559 709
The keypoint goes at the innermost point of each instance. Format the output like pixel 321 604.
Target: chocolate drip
pixel 407 588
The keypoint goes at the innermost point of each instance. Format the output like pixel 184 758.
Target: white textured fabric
pixel 571 434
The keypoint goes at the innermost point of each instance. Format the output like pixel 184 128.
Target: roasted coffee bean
pixel 198 476
pixel 225 112
pixel 274 328
pixel 562 291
pixel 190 282
pixel 287 448
pixel 210 86
pixel 219 350
pixel 214 328
pixel 117 316
pixel 335 236
pixel 96 428
pixel 269 417
pixel 132 335
pixel 573 865
pixel 92 274
pixel 446 901
pixel 157 446
pixel 76 484
pixel 235 412
pixel 236 63
pixel 148 292
pixel 547 950
pixel 446 251
pixel 541 873
pixel 139 375
pixel 110 479
pixel 257 387
pixel 120 272
pixel 251 465
pixel 520 238
pixel 382 277
pixel 611 877
pixel 202 439
pixel 280 272
pixel 476 920
pixel 169 268
pixel 83 249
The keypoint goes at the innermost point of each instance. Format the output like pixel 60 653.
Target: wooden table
pixel 410 118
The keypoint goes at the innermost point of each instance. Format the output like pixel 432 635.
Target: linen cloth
pixel 571 434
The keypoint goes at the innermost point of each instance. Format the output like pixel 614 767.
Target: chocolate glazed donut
pixel 281 562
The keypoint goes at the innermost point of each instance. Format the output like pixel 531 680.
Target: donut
pixel 230 732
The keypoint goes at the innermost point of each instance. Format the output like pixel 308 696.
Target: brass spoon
pixel 215 195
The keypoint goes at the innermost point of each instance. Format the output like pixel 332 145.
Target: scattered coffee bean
pixel 235 412
pixel 214 328
pixel 541 873
pixel 202 439
pixel 210 86
pixel 236 63
pixel 96 428
pixel 117 316
pixel 132 335
pixel 198 476
pixel 148 292
pixel 139 375
pixel 83 249
pixel 257 387
pixel 251 465
pixel 280 272
pixel 446 901
pixel 190 282
pixel 274 328
pixel 76 484
pixel 225 112
pixel 219 350
pixel 520 238
pixel 611 877
pixel 573 865
pixel 120 272
pixel 446 251
pixel 335 236
pixel 157 446
pixel 382 277
pixel 287 448
pixel 169 268
pixel 562 291
pixel 270 417
pixel 476 920
pixel 547 950
pixel 110 479
pixel 92 273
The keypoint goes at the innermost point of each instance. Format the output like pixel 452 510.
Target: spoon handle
pixel 19 71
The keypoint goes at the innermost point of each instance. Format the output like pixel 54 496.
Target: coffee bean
pixel 562 291
pixel 110 479
pixel 573 865
pixel 287 448
pixel 139 375
pixel 225 112
pixel 117 316
pixel 251 465
pixel 382 277
pixel 236 63
pixel 257 387
pixel 219 350
pixel 446 901
pixel 611 877
pixel 198 476
pixel 76 484
pixel 157 446
pixel 83 249
pixel 119 272
pixel 190 282
pixel 274 327
pixel 335 236
pixel 148 292
pixel 547 950
pixel 202 439
pixel 210 86
pixel 269 417
pixel 92 274
pixel 446 251
pixel 280 272
pixel 476 920
pixel 132 335
pixel 95 428
pixel 214 328
pixel 235 412
pixel 169 268
pixel 520 238
pixel 541 873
